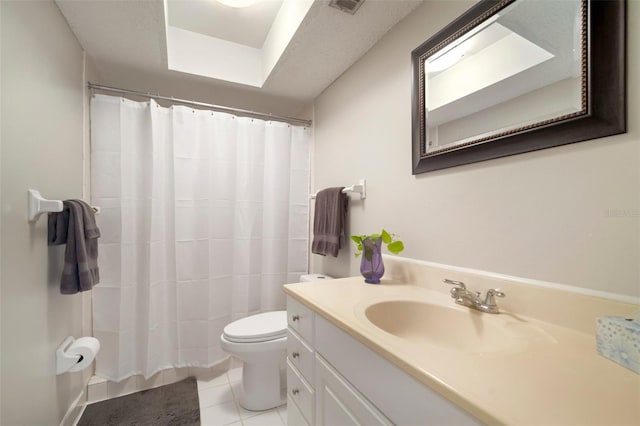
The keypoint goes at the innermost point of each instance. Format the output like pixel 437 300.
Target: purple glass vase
pixel 371 267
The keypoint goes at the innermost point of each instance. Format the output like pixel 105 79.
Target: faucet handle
pixel 489 300
pixel 458 284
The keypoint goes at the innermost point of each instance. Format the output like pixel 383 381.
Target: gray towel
pixel 329 221
pixel 76 226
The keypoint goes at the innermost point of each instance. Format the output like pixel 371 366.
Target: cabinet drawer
pixel 294 416
pixel 300 354
pixel 300 318
pixel 300 392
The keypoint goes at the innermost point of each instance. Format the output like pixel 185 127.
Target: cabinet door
pixel 338 403
pixel 294 416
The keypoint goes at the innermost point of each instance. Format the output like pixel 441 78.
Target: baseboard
pixel 73 414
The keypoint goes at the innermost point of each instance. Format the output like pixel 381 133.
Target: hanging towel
pixel 329 221
pixel 76 226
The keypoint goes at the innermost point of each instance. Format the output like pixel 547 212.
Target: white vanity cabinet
pixel 332 379
pixel 317 394
pixel 300 361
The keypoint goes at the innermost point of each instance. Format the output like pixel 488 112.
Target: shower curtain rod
pixel 242 112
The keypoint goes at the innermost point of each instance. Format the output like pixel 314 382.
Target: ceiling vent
pixel 347 6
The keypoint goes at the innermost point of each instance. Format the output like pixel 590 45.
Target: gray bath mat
pixel 170 405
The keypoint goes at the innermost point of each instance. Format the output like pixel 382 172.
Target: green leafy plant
pixel 394 245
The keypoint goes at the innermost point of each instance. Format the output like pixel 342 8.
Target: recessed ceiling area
pixel 305 48
pixel 212 18
pixel 249 64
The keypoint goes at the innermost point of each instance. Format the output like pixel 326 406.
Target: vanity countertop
pixel 559 379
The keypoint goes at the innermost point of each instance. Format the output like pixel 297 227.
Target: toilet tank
pixel 314 277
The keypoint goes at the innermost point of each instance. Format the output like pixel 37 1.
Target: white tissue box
pixel 619 340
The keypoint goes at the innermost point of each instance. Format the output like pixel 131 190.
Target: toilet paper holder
pixel 76 355
pixel 65 361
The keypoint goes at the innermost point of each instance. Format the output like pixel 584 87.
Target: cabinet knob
pixel 295 317
pixel 295 354
pixel 295 391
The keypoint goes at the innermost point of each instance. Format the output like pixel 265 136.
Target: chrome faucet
pixel 473 300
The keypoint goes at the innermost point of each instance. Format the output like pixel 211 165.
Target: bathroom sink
pixel 452 328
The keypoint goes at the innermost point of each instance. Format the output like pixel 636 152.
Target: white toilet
pixel 260 341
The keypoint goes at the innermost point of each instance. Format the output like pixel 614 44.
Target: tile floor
pixel 219 404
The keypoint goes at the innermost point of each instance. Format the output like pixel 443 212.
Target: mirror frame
pixel 605 92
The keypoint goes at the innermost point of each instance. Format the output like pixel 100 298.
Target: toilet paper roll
pixel 87 348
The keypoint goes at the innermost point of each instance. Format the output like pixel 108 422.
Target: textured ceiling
pixel 131 35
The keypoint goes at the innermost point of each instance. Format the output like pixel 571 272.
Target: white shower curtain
pixel 204 218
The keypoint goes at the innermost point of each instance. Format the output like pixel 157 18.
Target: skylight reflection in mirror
pixel 530 53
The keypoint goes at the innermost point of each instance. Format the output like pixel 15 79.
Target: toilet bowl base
pixel 260 388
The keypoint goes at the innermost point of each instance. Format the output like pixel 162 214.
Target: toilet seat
pixel 257 328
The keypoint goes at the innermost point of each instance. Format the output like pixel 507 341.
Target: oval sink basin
pixel 447 327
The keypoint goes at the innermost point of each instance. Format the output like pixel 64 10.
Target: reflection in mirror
pixel 522 67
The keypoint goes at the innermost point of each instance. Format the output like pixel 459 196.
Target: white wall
pixel 42 137
pixel 568 215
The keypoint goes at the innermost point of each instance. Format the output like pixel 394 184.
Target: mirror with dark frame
pixel 513 76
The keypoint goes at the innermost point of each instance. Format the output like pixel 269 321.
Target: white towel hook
pixel 39 205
